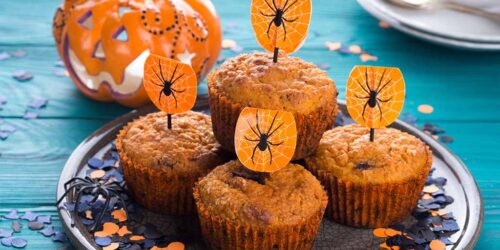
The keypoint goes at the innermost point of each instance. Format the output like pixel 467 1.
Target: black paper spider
pixel 167 85
pixel 263 138
pixel 94 187
pixel 278 16
pixel 372 99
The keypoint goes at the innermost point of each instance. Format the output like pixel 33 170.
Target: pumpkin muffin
pixel 370 184
pixel 237 212
pixel 161 165
pixel 254 80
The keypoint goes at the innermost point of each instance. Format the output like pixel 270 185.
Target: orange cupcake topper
pixel 281 24
pixel 170 84
pixel 375 96
pixel 265 139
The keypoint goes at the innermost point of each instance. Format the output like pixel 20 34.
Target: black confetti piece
pixel 12 215
pixel 48 231
pixel 29 216
pixel 5 233
pixel 19 242
pixel 103 241
pixel 7 241
pixel 47 219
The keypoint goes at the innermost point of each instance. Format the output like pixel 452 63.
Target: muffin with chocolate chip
pixel 291 84
pixel 161 165
pixel 240 210
pixel 370 184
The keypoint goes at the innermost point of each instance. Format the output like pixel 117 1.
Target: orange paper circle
pixel 385 85
pixel 170 84
pixel 265 139
pixel 292 16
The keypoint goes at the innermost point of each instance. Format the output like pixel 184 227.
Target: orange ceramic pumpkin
pixel 104 43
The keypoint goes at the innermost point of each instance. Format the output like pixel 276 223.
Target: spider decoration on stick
pixel 265 139
pixel 281 24
pixel 97 189
pixel 167 85
pixel 375 96
pixel 170 84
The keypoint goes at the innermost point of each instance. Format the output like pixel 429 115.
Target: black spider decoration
pixel 167 85
pixel 94 187
pixel 372 99
pixel 278 16
pixel 263 138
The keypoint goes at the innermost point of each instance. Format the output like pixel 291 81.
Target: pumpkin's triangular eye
pixel 281 24
pixel 87 20
pixel 121 34
pixel 265 139
pixel 170 84
pixel 99 51
pixel 375 95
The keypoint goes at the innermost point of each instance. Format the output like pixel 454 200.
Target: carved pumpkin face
pixel 104 43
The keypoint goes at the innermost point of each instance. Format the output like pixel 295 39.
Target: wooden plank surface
pixel 462 87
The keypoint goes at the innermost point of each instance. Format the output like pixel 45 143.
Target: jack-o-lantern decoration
pixel 104 43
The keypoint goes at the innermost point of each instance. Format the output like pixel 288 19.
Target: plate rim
pixel 90 145
pixel 428 36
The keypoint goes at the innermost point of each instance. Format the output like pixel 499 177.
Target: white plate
pixel 438 26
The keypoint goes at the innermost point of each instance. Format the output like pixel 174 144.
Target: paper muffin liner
pixel 310 127
pixel 155 189
pixel 221 233
pixel 369 205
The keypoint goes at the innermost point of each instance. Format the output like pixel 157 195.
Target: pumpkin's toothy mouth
pixel 132 76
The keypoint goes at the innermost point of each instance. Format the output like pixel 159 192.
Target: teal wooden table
pixel 463 87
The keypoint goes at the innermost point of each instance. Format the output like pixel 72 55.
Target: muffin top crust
pixel 394 156
pixel 287 197
pixel 291 84
pixel 188 148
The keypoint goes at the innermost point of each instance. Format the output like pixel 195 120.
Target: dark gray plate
pixel 467 208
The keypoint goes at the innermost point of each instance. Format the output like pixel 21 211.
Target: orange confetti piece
pixel 384 246
pixel 367 57
pixel 355 49
pixel 97 174
pixel 384 25
pixel 170 84
pixel 265 139
pixel 425 109
pixel 281 24
pixel 431 189
pixel 123 231
pixel 333 46
pixel 110 228
pixel 391 232
pixel 88 214
pixel 437 245
pixel 101 234
pixel 119 215
pixel 375 95
pixel 175 246
pixel 111 246
pixel 137 237
pixel 379 232
pixel 427 197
